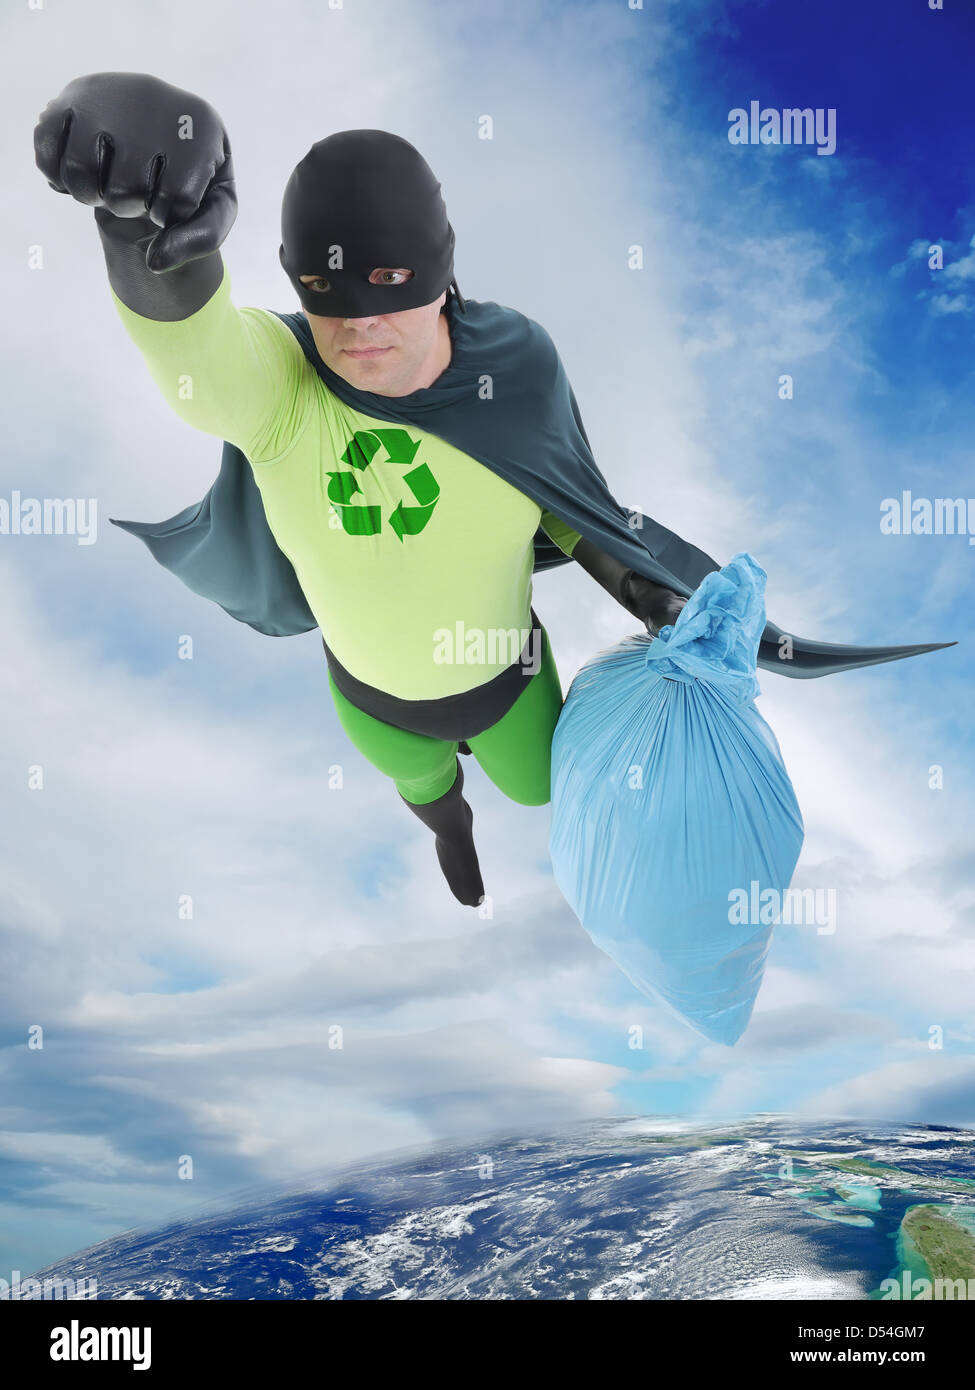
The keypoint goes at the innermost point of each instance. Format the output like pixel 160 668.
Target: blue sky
pixel 314 908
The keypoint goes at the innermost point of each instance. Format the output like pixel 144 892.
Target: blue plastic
pixel 669 794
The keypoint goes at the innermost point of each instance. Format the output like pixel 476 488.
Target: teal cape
pixel 506 401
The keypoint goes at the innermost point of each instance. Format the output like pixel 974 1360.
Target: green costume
pixel 386 593
pixel 415 558
pixel 516 752
pixel 413 555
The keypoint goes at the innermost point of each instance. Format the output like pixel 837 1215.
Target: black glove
pixel 155 164
pixel 654 605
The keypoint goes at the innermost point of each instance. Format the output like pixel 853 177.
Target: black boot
pixel 451 820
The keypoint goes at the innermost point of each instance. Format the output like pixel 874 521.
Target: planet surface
pixel 644 1208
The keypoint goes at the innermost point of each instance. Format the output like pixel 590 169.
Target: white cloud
pixel 933 1089
pixel 209 1036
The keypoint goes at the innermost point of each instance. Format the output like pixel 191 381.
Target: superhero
pixel 397 461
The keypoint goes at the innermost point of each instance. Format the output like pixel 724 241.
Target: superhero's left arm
pixel 560 532
pixel 654 605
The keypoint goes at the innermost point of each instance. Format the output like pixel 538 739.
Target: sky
pixel 318 909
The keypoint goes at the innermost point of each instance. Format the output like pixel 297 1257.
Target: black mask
pixel 362 200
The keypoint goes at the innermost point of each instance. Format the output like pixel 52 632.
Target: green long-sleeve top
pixel 397 538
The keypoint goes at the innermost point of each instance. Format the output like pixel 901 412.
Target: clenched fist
pixel 135 146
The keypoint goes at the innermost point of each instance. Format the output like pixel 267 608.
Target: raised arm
pixel 155 164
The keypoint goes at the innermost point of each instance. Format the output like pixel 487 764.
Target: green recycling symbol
pixel 366 520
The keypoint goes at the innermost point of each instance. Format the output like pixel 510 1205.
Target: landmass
pixel 942 1242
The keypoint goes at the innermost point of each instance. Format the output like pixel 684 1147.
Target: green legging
pixel 516 752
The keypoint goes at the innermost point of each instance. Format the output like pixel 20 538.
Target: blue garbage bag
pixel 670 801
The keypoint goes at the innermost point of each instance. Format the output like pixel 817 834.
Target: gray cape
pixel 506 401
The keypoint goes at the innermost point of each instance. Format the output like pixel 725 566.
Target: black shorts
pixel 460 716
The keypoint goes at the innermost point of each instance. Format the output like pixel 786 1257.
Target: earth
pixel 766 1208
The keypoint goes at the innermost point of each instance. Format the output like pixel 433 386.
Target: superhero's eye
pixel 381 276
pixel 318 285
